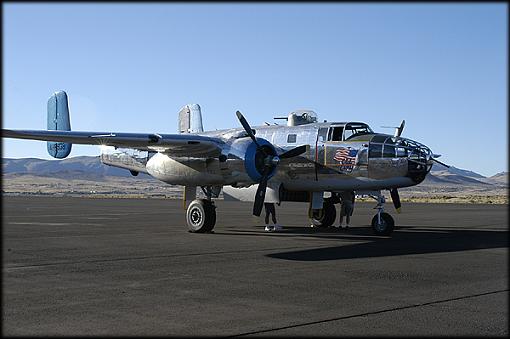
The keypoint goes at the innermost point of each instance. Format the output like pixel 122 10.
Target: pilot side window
pixel 322 134
pixel 388 151
pixel 375 150
pixel 335 133
pixel 291 138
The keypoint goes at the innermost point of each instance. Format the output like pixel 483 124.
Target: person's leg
pixel 348 215
pixel 273 213
pixel 268 228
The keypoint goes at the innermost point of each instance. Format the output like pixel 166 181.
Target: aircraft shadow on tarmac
pixel 411 240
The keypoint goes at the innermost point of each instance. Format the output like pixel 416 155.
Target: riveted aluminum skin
pixel 367 161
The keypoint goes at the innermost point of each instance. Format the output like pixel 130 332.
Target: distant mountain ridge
pixel 85 167
pixel 453 175
pixel 457 171
pixel 91 168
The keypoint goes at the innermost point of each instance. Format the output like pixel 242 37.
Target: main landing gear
pixel 201 213
pixel 201 216
pixel 325 216
pixel 382 222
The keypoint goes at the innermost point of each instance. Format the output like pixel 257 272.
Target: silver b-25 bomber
pixel 304 161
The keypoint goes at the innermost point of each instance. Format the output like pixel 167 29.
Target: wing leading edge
pixel 172 144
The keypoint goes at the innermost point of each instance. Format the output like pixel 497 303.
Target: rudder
pixel 58 119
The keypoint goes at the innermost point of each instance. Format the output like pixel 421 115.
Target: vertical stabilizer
pixel 190 119
pixel 58 119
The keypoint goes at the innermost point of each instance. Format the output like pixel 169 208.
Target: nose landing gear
pixel 382 222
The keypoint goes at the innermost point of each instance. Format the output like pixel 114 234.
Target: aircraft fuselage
pixel 369 161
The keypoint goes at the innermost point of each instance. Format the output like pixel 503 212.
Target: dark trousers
pixel 270 210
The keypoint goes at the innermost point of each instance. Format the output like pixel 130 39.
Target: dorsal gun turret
pixel 300 117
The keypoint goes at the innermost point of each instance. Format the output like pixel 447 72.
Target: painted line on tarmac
pixel 53 223
pixel 71 215
pixel 369 313
pixel 7 269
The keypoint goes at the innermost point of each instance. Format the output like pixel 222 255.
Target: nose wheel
pixel 382 222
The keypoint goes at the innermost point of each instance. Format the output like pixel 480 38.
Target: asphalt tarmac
pixel 79 266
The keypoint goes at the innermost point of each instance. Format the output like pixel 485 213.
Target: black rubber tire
pixel 387 224
pixel 201 216
pixel 211 214
pixel 326 216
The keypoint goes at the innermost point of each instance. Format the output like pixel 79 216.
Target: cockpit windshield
pixel 353 129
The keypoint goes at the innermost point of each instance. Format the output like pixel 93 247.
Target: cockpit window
pixel 379 138
pixel 401 152
pixel 375 151
pixel 388 151
pixel 335 133
pixel 355 129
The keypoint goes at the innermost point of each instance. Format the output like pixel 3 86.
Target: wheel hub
pixel 196 216
pixel 381 225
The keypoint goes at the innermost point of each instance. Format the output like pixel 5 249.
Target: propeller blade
pixel 396 199
pixel 440 163
pixel 293 152
pixel 247 127
pixel 261 194
pixel 399 130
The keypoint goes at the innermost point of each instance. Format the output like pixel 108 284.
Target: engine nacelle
pixel 183 171
pixel 254 158
pixel 245 165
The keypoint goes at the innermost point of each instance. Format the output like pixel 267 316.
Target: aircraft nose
pixel 419 160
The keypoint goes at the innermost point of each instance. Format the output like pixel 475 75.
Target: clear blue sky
pixel 130 67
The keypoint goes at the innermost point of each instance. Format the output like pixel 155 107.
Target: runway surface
pixel 78 266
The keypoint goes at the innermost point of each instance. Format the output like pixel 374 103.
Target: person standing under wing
pixel 270 210
pixel 348 198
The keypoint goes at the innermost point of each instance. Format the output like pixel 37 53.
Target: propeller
pixel 261 193
pixel 433 158
pixel 399 129
pixel 396 199
pixel 293 152
pixel 271 161
pixel 247 127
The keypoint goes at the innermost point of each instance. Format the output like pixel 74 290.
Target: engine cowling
pixel 255 158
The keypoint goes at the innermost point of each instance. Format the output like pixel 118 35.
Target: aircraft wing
pixel 172 144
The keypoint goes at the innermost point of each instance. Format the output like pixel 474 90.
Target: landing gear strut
pixel 201 213
pixel 382 222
